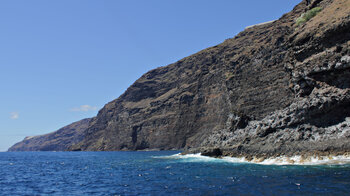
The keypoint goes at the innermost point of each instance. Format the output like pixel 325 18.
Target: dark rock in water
pixel 275 89
pixel 59 140
pixel 216 152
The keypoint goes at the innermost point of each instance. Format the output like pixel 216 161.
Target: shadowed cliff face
pixel 179 105
pixel 59 140
pixel 167 108
pixel 316 122
pixel 263 70
pixel 272 89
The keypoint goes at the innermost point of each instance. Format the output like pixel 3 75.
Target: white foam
pixel 189 157
pixel 295 160
pixel 283 160
pixel 313 160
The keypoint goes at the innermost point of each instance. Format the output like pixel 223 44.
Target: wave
pixel 295 160
pixel 283 160
pixel 189 158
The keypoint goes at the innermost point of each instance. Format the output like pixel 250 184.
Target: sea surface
pixel 161 173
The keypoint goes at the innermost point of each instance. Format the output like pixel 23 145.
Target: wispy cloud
pixel 84 108
pixel 14 115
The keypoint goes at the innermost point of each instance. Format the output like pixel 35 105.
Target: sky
pixel 63 60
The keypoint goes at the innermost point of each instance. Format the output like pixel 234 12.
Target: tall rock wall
pixel 317 120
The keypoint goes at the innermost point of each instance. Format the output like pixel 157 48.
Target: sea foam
pixel 282 160
pixel 189 158
pixel 295 160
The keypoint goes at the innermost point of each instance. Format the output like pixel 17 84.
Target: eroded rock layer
pixel 317 121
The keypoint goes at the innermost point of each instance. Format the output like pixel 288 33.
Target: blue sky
pixel 62 60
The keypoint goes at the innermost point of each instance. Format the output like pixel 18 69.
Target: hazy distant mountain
pixel 59 140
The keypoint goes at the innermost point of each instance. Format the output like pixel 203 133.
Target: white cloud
pixel 14 115
pixel 84 108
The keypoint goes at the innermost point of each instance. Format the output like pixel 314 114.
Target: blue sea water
pixel 158 173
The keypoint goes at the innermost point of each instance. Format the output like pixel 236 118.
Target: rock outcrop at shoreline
pixel 274 89
pixel 317 122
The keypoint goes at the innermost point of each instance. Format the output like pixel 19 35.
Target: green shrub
pixel 308 15
pixel 229 75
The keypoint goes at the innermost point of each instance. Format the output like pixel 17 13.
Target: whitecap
pixel 282 160
pixel 189 158
pixel 295 160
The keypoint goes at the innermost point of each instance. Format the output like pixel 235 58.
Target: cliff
pixel 59 140
pixel 316 120
pixel 277 88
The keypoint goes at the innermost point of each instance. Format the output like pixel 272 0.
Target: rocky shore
pixel 317 122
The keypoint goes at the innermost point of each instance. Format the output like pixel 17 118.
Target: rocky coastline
pixel 276 89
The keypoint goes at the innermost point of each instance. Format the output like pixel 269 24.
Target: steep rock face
pixel 317 122
pixel 224 91
pixel 167 108
pixel 59 140
pixel 178 106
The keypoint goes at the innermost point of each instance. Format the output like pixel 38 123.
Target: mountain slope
pixel 229 88
pixel 317 122
pixel 277 88
pixel 59 140
pixel 178 105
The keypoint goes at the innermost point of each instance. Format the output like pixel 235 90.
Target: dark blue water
pixel 150 173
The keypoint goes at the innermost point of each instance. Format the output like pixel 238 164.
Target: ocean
pixel 161 173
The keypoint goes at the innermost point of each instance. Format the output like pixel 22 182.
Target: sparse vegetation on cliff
pixel 308 15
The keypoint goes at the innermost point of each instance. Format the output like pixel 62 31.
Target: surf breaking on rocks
pixel 282 160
